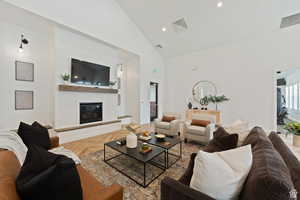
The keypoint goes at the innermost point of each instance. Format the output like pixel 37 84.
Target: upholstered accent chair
pixel 199 133
pixel 168 128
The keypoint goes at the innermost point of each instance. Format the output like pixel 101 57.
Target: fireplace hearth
pixel 90 112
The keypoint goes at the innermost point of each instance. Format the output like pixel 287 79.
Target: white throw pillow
pixel 221 175
pixel 241 128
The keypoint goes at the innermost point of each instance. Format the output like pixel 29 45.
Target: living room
pixel 213 63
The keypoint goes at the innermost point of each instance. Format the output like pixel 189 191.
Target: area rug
pixel 107 175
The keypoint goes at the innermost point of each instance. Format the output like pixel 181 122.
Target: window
pixel 295 97
pixel 287 97
pixel 292 97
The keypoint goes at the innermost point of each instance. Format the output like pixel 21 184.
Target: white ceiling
pixel 209 26
pixel 289 7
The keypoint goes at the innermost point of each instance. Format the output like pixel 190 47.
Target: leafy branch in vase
pixel 216 99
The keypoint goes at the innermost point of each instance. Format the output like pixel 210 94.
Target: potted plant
pixel 112 83
pixel 217 99
pixel 294 128
pixel 66 78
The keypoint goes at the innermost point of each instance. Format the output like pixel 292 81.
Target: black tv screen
pixel 89 73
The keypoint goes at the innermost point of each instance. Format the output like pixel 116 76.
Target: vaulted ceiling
pixel 208 25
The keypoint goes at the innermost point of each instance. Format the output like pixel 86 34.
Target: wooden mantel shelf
pixel 78 88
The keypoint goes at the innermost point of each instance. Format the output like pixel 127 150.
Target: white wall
pixel 243 71
pixel 105 20
pixel 13 23
pixel 132 86
pixel 51 48
pixel 69 45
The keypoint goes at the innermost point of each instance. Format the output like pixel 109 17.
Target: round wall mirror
pixel 203 89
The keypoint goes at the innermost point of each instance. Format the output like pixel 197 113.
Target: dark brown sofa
pixel 92 189
pixel 275 172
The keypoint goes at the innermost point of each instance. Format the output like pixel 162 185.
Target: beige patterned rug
pixel 107 175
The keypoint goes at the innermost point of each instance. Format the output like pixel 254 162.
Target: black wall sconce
pixel 24 41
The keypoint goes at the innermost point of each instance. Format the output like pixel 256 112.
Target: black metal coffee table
pixel 148 159
pixel 167 144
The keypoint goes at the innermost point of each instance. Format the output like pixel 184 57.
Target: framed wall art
pixel 24 100
pixel 24 71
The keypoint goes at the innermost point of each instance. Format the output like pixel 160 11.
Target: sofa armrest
pixel 187 176
pixel 175 124
pixel 187 123
pixel 174 190
pixel 113 192
pixel 54 141
pixel 210 130
pixel 157 120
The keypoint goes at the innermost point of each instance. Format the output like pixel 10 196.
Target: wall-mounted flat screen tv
pixel 87 73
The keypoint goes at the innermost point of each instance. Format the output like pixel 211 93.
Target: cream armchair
pixel 168 128
pixel 198 133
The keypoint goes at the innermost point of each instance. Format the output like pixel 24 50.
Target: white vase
pixel 296 140
pixel 131 141
pixel 66 82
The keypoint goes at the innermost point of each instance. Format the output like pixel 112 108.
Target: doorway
pixel 153 101
pixel 288 97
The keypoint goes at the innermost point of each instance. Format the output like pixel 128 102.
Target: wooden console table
pixel 217 114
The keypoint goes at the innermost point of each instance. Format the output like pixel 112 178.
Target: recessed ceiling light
pixel 220 4
pixel 164 29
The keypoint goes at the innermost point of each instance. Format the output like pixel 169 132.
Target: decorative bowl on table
pixel 145 133
pixel 145 148
pixel 160 137
pixel 145 138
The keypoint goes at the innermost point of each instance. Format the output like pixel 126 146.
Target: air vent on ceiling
pixel 290 20
pixel 159 46
pixel 180 25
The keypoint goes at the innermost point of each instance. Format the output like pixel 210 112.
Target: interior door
pixel 153 100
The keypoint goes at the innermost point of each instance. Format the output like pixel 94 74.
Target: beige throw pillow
pixel 221 175
pixel 241 128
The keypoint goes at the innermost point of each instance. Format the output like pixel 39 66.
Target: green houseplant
pixel 294 128
pixel 112 83
pixel 65 77
pixel 216 99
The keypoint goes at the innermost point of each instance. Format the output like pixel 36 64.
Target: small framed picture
pixel 23 100
pixel 24 71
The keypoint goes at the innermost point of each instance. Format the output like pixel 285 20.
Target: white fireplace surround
pixel 67 103
pixel 68 107
pixel 68 114
pixel 67 110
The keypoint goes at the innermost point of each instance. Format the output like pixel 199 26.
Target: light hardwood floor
pixel 93 144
